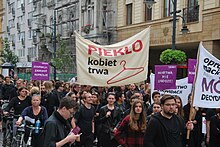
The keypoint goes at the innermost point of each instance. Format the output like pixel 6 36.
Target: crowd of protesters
pixel 82 115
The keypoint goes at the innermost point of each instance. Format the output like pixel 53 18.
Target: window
pixel 21 19
pixel 9 23
pixel 18 3
pixel 60 25
pixel 21 52
pixel 192 3
pixel 30 16
pixel 89 17
pixel 90 14
pixel 12 23
pixel 13 39
pixel 168 7
pixel 104 15
pixel 30 34
pixel 21 36
pixel 9 8
pixel 51 24
pixel 70 23
pixel 32 51
pixel 44 3
pixel 148 13
pixel 44 27
pixel 129 14
pixel 191 13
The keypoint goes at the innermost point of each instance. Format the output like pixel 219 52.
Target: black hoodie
pixel 164 132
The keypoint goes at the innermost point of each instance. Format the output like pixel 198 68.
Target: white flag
pixel 113 65
pixel 207 80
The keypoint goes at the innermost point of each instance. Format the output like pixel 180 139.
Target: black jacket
pixel 108 124
pixel 56 129
pixel 50 102
pixel 6 91
pixel 157 133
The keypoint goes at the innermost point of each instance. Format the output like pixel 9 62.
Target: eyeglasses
pixel 71 113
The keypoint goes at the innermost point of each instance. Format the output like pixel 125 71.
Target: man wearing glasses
pixel 165 129
pixel 57 127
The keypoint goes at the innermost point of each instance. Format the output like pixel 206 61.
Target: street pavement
pixel 1 138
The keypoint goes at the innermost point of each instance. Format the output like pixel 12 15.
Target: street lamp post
pixel 54 43
pixel 53 28
pixel 174 25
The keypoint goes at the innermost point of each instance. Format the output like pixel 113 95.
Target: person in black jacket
pixel 85 120
pixel 165 129
pixel 57 128
pixel 49 100
pixel 110 116
pixel 7 88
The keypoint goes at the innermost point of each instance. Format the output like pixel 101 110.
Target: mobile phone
pixel 76 130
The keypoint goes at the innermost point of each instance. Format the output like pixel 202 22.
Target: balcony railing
pixel 191 14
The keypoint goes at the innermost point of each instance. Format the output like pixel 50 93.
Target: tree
pixel 8 55
pixel 63 61
pixel 170 56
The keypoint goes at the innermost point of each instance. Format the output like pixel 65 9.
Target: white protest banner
pixel 113 65
pixel 207 81
pixel 183 88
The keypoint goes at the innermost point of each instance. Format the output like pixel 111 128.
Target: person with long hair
pixel 179 105
pixel 133 127
pixel 49 101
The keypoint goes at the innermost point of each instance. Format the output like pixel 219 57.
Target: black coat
pixel 157 134
pixel 214 131
pixel 108 124
pixel 55 130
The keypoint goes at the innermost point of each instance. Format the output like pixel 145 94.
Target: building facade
pixel 202 18
pixel 17 24
pixel 1 28
pixel 98 20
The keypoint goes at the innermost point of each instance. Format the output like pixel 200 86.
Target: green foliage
pixel 8 55
pixel 63 61
pixel 169 56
